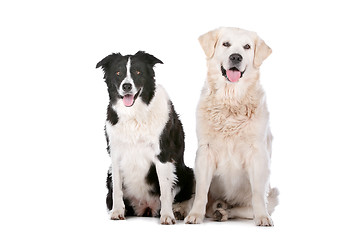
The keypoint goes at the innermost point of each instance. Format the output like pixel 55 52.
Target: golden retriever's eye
pixel 118 73
pixel 226 44
pixel 247 46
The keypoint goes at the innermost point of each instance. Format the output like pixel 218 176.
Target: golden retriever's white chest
pixel 226 121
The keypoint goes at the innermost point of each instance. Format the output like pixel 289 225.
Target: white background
pixel 53 105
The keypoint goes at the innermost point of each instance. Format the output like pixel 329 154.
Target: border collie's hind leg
pixel 109 199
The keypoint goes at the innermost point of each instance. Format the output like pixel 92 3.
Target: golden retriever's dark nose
pixel 235 58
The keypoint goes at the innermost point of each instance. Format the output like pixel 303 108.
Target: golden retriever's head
pixel 233 53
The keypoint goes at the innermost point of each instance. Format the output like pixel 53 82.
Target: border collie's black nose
pixel 127 87
pixel 235 58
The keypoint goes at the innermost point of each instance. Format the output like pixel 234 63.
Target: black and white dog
pixel 145 141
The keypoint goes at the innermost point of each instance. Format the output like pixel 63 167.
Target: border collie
pixel 145 140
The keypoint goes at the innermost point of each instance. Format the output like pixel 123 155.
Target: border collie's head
pixel 129 77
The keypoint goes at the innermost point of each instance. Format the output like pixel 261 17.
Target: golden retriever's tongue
pixel 128 100
pixel 233 76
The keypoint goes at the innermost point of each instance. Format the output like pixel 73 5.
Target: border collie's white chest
pixel 135 162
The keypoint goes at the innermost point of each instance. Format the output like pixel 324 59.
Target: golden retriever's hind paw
pixel 220 215
pixel 179 216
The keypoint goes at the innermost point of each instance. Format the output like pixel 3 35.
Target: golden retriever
pixel 232 166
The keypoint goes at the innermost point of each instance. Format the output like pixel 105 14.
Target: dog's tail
pixel 273 200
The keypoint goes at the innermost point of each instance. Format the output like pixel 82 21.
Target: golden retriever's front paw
pixel 194 218
pixel 264 221
pixel 117 215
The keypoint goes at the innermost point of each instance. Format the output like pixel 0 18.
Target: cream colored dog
pixel 232 167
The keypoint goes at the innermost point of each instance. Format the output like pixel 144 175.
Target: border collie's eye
pixel 137 72
pixel 226 44
pixel 247 46
pixel 118 73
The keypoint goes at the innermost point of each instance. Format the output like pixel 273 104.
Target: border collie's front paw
pixel 194 218
pixel 117 215
pixel 167 219
pixel 264 221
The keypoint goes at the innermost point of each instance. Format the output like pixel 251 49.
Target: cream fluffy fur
pixel 232 165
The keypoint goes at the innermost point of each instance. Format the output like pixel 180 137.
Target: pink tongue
pixel 128 100
pixel 233 76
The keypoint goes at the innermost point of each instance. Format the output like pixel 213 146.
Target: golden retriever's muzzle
pixel 233 74
pixel 235 59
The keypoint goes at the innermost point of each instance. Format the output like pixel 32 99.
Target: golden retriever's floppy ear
pixel 262 51
pixel 208 42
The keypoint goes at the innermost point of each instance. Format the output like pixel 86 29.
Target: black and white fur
pixel 145 141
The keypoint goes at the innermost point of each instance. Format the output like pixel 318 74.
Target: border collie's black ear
pixel 148 58
pixel 103 63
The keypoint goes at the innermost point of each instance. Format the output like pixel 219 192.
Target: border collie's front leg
pixel 166 176
pixel 118 210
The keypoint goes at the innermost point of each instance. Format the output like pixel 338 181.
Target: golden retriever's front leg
pixel 259 172
pixel 204 170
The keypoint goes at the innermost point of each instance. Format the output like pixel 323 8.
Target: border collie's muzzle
pixel 129 99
